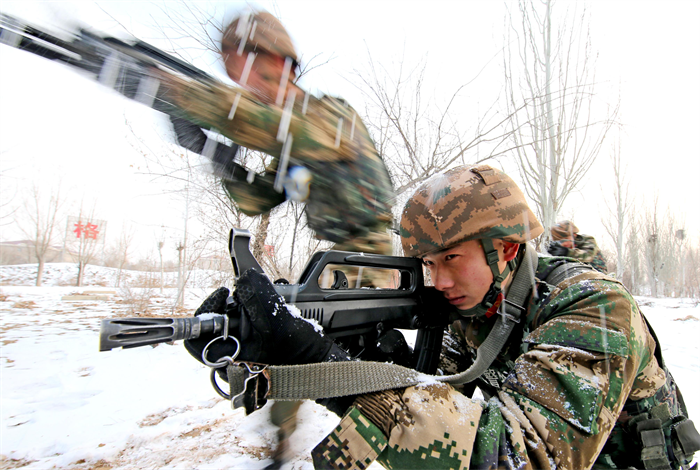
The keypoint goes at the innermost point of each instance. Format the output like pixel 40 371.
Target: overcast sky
pixel 648 52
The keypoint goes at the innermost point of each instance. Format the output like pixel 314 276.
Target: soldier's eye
pixel 449 257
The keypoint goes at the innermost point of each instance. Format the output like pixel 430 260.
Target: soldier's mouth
pixel 455 300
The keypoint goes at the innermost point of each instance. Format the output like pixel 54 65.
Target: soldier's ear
pixel 510 250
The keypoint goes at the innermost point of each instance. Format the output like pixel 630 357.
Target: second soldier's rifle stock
pixel 355 317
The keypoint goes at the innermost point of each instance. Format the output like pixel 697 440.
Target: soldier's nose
pixel 441 281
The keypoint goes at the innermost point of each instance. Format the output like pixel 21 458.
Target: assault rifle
pixel 130 69
pixel 354 317
pixel 123 66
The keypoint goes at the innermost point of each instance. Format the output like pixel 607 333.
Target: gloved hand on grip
pixel 266 330
pixel 270 334
pixel 215 303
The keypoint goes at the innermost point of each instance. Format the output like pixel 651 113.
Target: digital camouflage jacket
pixel 350 194
pixel 557 396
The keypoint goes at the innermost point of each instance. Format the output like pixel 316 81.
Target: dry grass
pixel 148 280
pixel 137 301
pixel 686 318
pixel 27 304
pixel 6 462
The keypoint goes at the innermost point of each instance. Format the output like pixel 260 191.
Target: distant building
pixel 22 252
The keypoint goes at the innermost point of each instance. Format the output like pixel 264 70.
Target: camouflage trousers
pixel 283 414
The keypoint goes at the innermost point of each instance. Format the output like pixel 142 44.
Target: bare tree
pixel 161 244
pixel 42 211
pixel 8 193
pixel 634 271
pixel 123 251
pixel 680 241
pixel 549 67
pixel 417 136
pixel 692 274
pixel 660 259
pixel 293 232
pixel 616 224
pixel 663 235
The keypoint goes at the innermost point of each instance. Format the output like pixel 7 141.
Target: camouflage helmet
pixel 466 203
pixel 258 31
pixel 564 230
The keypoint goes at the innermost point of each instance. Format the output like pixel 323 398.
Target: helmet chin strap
pixel 493 298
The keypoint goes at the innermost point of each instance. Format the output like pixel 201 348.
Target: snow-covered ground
pixel 66 405
pixel 66 274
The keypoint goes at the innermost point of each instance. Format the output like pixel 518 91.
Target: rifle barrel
pixel 134 332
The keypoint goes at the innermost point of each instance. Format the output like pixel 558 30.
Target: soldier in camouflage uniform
pixel 322 151
pixel 568 242
pixel 579 384
pixel 323 154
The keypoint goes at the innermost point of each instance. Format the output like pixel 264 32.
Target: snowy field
pixel 66 405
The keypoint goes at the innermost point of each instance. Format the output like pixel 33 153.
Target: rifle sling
pixel 336 379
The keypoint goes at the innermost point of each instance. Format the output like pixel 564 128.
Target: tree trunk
pixel 261 236
pixel 81 269
pixel 40 272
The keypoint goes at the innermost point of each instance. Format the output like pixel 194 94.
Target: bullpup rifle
pixel 123 66
pixel 354 317
pixel 133 68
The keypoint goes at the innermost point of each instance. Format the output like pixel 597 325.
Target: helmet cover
pixel 258 31
pixel 466 203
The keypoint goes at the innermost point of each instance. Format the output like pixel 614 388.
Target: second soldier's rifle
pixel 123 66
pixel 132 68
pixel 354 317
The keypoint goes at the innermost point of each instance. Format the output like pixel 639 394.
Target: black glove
pixel 268 333
pixel 215 303
pixel 556 249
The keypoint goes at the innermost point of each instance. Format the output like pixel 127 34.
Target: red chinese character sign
pixel 87 229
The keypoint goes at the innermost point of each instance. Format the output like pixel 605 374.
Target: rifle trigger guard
pixel 255 389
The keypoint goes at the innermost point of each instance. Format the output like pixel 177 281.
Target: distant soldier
pixel 566 241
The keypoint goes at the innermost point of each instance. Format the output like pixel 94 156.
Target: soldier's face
pixel 461 272
pixel 260 73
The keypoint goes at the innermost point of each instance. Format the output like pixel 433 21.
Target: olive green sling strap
pixel 336 379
